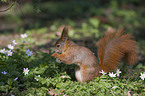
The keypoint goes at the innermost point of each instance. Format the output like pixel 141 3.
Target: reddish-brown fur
pixel 112 48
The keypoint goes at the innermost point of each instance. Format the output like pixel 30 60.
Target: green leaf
pixel 94 22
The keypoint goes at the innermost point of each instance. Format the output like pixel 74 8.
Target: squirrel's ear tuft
pixel 64 35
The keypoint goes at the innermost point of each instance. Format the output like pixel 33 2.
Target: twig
pixel 7 8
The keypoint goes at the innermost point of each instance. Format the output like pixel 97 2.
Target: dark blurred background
pixel 43 21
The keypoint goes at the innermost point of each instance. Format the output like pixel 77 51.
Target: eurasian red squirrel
pixel 112 48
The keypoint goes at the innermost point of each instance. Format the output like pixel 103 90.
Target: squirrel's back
pixel 114 47
pixel 82 55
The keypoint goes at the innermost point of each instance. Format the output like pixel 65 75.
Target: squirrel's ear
pixel 64 35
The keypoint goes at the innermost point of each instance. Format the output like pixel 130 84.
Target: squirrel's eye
pixel 58 45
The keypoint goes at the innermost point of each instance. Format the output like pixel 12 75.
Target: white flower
pixel 2 50
pixel 8 52
pixel 63 77
pixel 26 71
pixel 102 72
pixel 36 77
pixel 57 60
pixel 4 73
pixel 111 74
pixel 16 79
pixel 10 47
pixel 118 72
pixel 142 76
pixel 14 42
pixel 24 35
pixel 29 53
pixel 114 87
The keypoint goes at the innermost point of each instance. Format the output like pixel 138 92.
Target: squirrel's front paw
pixel 54 55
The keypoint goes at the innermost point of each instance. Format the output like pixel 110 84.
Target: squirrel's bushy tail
pixel 114 47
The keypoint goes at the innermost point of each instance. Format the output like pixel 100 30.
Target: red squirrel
pixel 112 48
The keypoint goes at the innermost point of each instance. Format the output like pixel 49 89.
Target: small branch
pixel 7 8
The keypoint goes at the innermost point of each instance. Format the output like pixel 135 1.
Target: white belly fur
pixel 78 75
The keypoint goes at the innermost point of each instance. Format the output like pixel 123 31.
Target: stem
pixel 7 8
